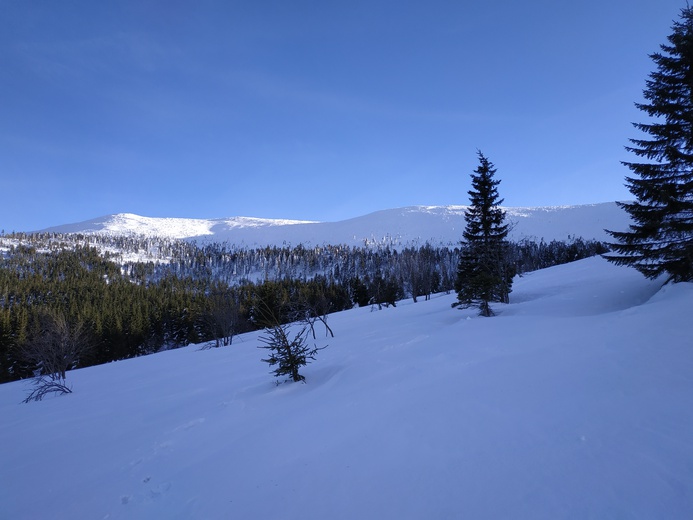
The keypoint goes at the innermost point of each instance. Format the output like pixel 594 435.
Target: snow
pixel 574 402
pixel 395 227
pixel 177 228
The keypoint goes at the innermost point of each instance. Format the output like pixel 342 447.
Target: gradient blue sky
pixel 314 110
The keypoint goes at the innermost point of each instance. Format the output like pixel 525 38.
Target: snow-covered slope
pixel 402 226
pixel 574 402
pixel 129 224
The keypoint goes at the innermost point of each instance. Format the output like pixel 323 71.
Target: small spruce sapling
pixel 289 353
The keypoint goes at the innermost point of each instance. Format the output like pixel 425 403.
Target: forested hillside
pixel 138 295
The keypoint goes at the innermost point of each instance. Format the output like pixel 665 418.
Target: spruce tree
pixel 660 238
pixel 484 273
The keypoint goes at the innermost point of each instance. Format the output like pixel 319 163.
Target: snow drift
pixel 574 402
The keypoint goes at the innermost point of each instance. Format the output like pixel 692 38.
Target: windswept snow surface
pixel 395 227
pixel 575 402
pixel 180 228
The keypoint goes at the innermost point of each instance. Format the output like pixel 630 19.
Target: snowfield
pixel 575 402
pixel 399 227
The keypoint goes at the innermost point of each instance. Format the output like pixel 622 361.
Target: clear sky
pixel 314 110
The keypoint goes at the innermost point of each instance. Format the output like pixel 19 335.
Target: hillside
pixel 574 402
pixel 401 226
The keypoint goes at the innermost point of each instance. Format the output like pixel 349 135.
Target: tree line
pixel 132 309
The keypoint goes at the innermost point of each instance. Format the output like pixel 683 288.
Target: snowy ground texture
pixel 575 402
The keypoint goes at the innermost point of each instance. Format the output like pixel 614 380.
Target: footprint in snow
pixel 157 492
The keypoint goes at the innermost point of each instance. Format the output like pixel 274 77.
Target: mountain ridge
pixel 397 226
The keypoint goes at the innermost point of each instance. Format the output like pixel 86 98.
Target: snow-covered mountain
pixel 400 226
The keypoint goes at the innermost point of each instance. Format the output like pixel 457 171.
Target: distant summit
pixel 179 228
pixel 439 225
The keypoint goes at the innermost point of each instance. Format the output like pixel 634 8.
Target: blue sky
pixel 311 109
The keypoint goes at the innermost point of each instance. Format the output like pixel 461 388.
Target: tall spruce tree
pixel 484 273
pixel 660 239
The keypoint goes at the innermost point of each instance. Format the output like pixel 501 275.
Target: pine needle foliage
pixel 660 239
pixel 288 352
pixel 484 272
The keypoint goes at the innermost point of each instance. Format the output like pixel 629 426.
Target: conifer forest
pixel 190 293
